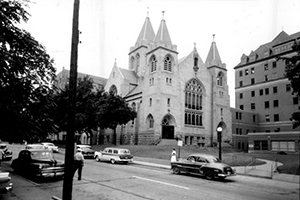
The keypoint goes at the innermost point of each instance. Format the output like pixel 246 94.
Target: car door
pixel 104 154
pixel 189 165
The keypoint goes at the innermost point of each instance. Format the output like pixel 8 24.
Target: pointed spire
pixel 162 35
pixel 115 64
pixel 147 33
pixel 213 57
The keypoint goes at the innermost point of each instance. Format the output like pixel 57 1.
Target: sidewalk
pixel 263 171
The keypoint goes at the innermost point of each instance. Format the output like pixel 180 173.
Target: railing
pixel 253 160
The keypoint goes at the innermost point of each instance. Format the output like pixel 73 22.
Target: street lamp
pixel 219 131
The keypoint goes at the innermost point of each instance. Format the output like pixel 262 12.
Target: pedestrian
pixel 173 156
pixel 1 156
pixel 78 163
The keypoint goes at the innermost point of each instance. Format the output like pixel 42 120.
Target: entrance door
pixel 167 132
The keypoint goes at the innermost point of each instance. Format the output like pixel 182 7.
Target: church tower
pixel 220 94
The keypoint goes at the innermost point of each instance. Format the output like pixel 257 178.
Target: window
pixel 236 115
pixel 260 145
pixel 266 67
pixel 274 64
pixel 261 92
pixel 295 100
pixel 276 117
pixel 266 77
pixel 131 62
pixel 288 87
pixel 275 90
pixel 113 90
pixel 253 93
pixel 240 116
pixel 153 63
pixel 168 63
pixel 275 103
pixel 150 121
pixel 252 106
pixel 150 102
pixel 242 107
pixel 169 102
pixel 252 81
pixel 246 72
pixel 137 62
pixel 241 73
pixel 241 83
pixel 252 70
pixel 266 91
pixel 267 104
pixel 220 79
pixel 267 117
pixel 254 118
pixel 241 95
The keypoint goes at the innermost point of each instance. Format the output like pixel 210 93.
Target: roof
pixel 147 32
pixel 162 34
pixel 128 74
pixel 213 57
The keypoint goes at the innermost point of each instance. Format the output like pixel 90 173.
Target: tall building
pixel 264 99
pixel 182 98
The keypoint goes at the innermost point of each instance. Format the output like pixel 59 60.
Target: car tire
pixel 176 170
pixel 209 174
pixel 112 161
pixel 98 159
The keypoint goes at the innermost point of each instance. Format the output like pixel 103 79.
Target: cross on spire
pixel 214 37
pixel 163 14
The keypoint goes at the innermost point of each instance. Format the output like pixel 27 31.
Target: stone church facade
pixel 185 99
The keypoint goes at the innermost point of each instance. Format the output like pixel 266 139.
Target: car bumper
pixel 50 174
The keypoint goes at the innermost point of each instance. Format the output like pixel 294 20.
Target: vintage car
pixel 113 155
pixel 203 164
pixel 8 154
pixel 5 184
pixel 86 150
pixel 50 146
pixel 35 146
pixel 38 163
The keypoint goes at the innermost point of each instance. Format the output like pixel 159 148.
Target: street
pixel 135 182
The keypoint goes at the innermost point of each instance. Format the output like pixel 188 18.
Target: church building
pixel 175 98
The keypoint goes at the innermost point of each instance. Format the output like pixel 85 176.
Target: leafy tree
pixel 292 72
pixel 113 111
pixel 26 76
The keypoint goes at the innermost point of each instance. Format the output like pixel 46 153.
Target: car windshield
pixel 2 146
pixel 124 151
pixel 42 155
pixel 215 160
pixel 49 144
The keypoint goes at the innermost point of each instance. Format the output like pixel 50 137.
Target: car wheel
pixel 112 161
pixel 98 159
pixel 209 174
pixel 176 170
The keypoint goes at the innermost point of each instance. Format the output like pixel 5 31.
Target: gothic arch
pixel 168 124
pixel 220 79
pixel 137 58
pixel 113 90
pixel 168 63
pixel 150 121
pixel 131 62
pixel 153 63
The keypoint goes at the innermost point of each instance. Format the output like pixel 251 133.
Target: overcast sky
pixel 110 27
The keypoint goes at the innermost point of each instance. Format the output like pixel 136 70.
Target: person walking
pixel 173 156
pixel 78 163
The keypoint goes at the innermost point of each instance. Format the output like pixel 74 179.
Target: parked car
pixel 203 164
pixel 35 146
pixel 86 150
pixel 8 154
pixel 5 184
pixel 38 163
pixel 50 146
pixel 113 155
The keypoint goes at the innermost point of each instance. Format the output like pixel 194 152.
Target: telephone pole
pixel 68 178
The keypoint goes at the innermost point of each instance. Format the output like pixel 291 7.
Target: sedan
pixel 50 146
pixel 38 163
pixel 86 150
pixel 35 146
pixel 203 164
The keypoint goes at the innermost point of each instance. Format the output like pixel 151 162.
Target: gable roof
pixel 129 75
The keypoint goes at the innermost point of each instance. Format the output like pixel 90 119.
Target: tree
pixel 113 111
pixel 292 72
pixel 26 76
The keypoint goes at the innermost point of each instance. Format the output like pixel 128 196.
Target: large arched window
pixel 153 63
pixel 193 103
pixel 132 62
pixel 113 90
pixel 220 78
pixel 137 58
pixel 168 63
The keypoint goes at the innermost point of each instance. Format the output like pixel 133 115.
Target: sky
pixel 110 27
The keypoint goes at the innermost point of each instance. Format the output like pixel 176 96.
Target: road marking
pixel 151 180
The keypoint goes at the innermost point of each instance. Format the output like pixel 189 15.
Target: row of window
pixel 252 70
pixel 168 81
pixel 275 145
pixel 266 91
pixel 168 102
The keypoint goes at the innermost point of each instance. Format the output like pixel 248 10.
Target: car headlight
pixel 216 170
pixel 40 166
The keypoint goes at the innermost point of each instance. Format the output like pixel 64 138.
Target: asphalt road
pixel 135 182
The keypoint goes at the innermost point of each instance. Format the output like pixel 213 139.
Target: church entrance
pixel 168 127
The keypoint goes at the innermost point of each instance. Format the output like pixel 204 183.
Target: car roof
pixel 114 148
pixel 202 155
pixel 37 150
pixel 83 145
pixel 46 143
pixel 34 145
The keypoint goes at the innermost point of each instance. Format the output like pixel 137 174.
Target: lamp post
pixel 219 132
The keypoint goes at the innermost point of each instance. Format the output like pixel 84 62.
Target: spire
pixel 162 35
pixel 213 57
pixel 147 33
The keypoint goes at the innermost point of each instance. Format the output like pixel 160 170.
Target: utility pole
pixel 68 178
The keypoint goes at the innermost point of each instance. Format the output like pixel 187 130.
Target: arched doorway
pixel 168 123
